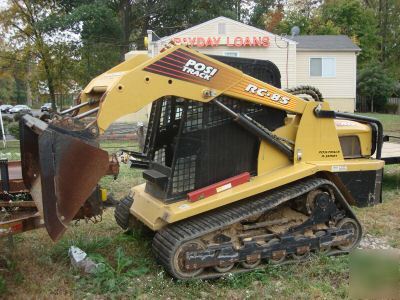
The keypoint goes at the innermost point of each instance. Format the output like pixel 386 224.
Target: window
pixel 221 28
pixel 323 67
pixel 231 53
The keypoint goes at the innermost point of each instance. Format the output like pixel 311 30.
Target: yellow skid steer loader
pixel 238 172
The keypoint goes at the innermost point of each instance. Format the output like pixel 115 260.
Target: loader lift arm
pixel 133 84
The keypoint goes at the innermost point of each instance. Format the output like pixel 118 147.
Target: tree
pixel 24 22
pixel 357 22
pixel 375 84
pixel 7 88
pixel 260 11
pixel 273 18
pixel 13 76
pixel 386 12
pixel 101 40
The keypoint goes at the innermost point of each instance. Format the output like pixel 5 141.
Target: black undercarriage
pixel 274 227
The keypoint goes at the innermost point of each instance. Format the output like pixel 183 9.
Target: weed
pixel 89 244
pixel 112 277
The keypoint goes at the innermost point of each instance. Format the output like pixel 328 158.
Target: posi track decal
pixel 199 69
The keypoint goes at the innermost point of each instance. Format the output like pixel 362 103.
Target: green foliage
pixel 315 25
pixel 113 277
pixel 257 18
pixel 348 17
pixel 59 252
pixel 354 20
pixel 374 83
pixel 3 286
pixel 7 88
pixel 13 129
pixel 391 108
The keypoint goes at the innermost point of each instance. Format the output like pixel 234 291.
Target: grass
pixel 39 268
pixel 391 123
pixel 384 220
pixel 11 152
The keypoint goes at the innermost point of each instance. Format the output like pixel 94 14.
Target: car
pixel 5 108
pixel 20 109
pixel 47 107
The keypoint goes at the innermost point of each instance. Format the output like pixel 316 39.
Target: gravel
pixel 375 243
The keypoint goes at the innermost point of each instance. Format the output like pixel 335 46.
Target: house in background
pixel 328 62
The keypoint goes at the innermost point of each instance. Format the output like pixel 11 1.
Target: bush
pixel 391 108
pixel 13 129
pixel 7 119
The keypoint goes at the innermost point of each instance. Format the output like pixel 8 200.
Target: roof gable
pixel 227 21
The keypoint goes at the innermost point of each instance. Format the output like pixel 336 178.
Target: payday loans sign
pixel 214 41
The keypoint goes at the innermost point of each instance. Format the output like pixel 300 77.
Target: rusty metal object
pixel 113 167
pixel 16 216
pixel 20 222
pixel 16 183
pixel 17 204
pixel 92 207
pixel 64 166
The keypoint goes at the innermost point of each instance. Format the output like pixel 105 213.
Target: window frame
pixel 322 66
pixel 237 53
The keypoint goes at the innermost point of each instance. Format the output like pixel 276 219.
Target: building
pixel 328 62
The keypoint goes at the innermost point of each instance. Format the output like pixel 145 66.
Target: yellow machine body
pixel 130 86
pixel 314 141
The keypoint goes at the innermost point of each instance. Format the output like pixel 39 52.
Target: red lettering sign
pixel 234 41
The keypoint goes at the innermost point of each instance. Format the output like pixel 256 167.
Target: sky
pixel 3 4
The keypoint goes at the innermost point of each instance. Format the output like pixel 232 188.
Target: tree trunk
pixel 28 84
pixel 125 16
pixel 238 9
pixel 50 83
pixel 385 30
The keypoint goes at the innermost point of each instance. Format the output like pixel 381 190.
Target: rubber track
pixel 168 239
pixel 122 212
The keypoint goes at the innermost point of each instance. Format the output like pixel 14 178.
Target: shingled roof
pixel 325 43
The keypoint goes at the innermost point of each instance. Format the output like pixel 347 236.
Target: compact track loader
pixel 239 173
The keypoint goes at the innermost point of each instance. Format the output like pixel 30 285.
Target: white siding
pixel 280 52
pixel 339 90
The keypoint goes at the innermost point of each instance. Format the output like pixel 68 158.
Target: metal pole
pixel 87 113
pixel 74 108
pixel 2 131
